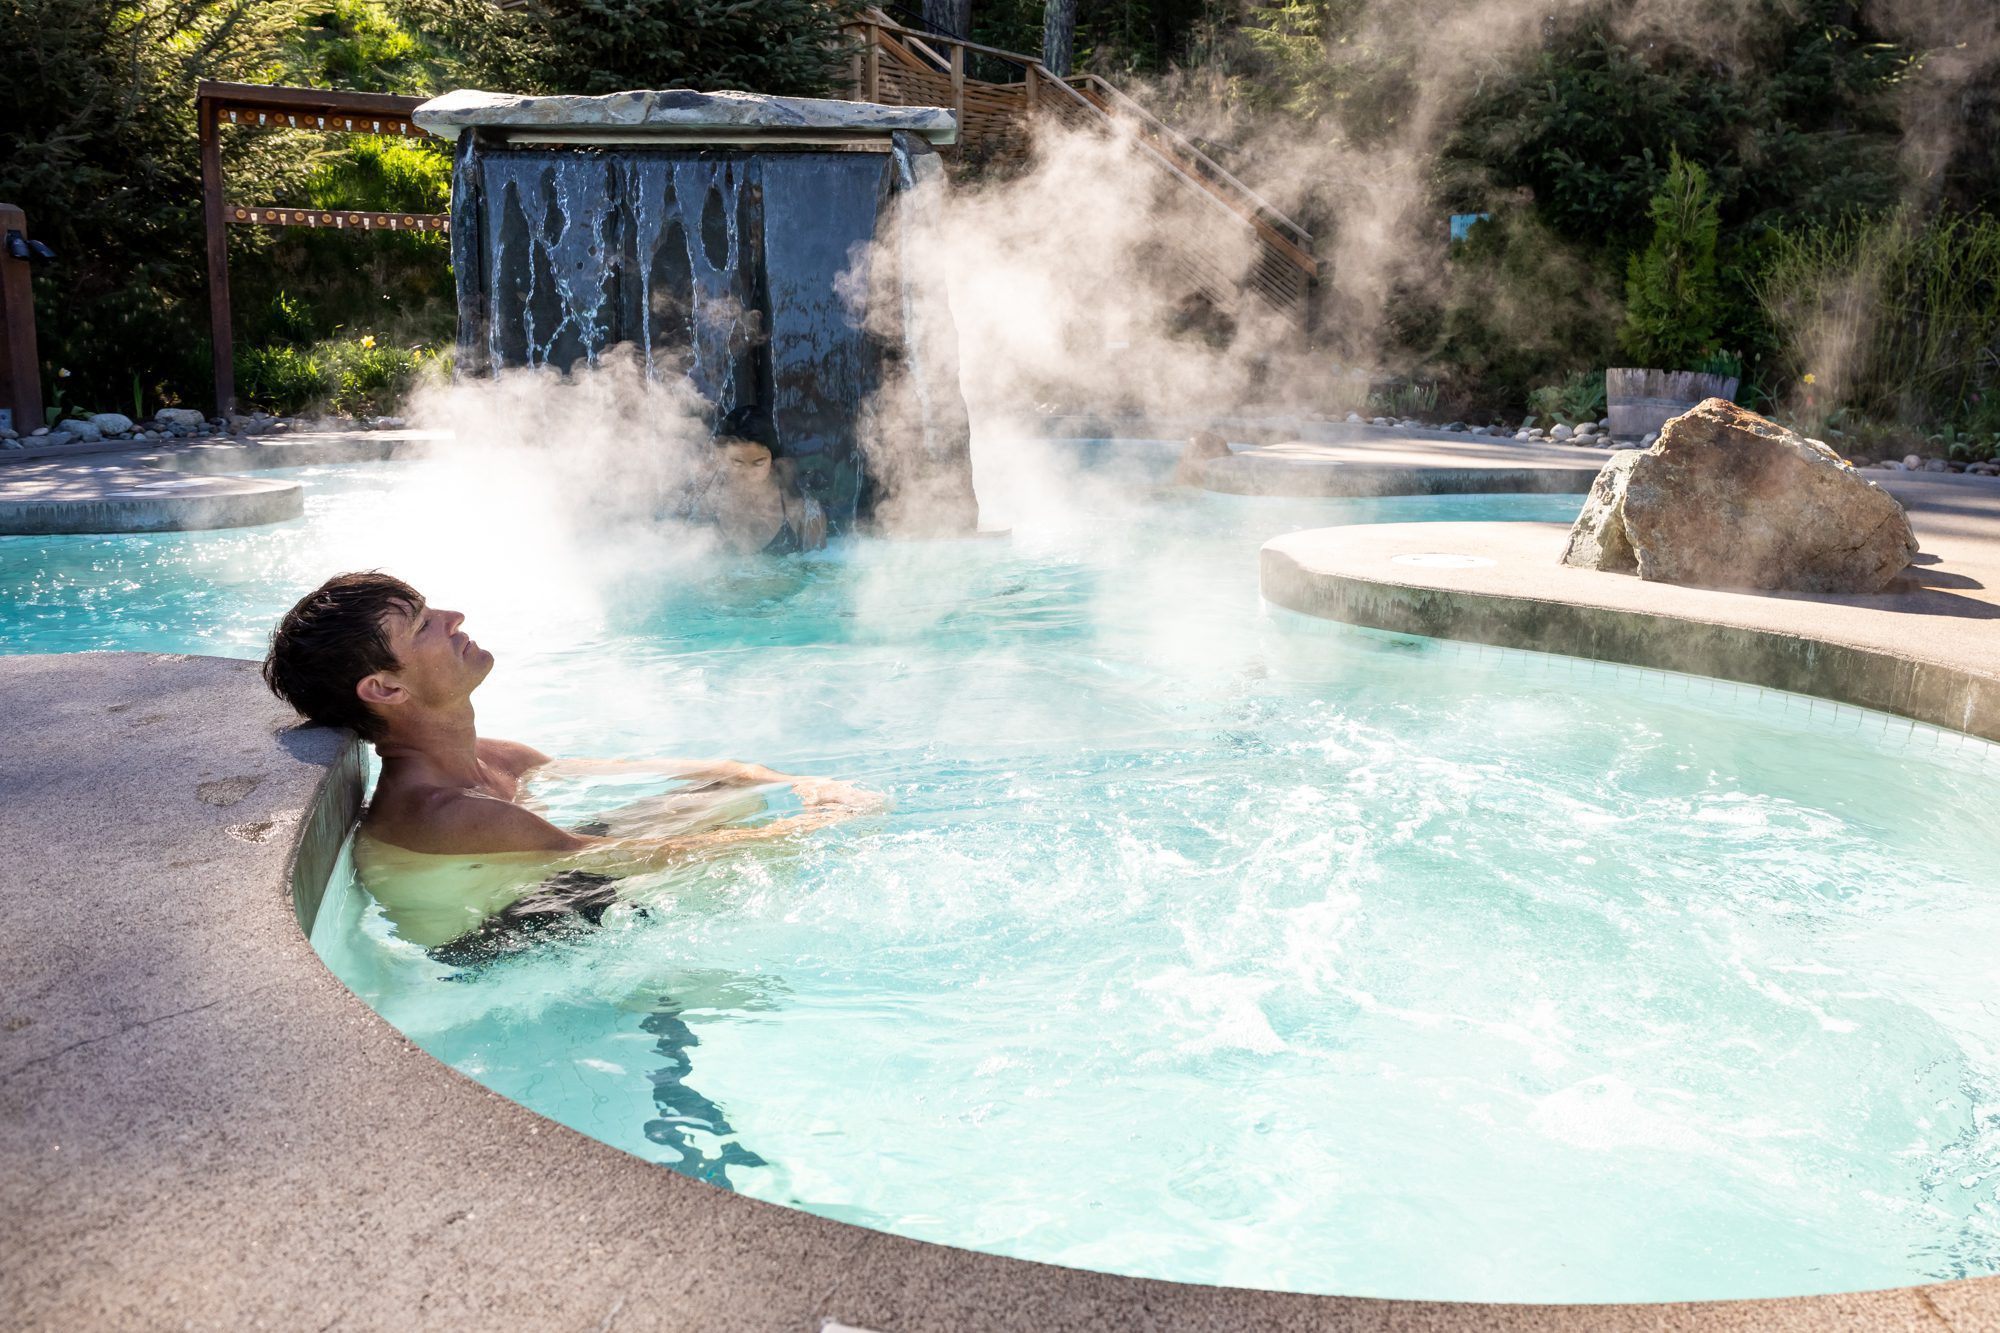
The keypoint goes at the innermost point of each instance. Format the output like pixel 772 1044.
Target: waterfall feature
pixel 772 251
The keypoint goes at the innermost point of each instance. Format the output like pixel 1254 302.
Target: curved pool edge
pixel 1928 650
pixel 202 1121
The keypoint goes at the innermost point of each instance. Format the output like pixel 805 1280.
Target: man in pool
pixel 451 840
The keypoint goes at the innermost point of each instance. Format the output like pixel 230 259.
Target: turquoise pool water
pixel 1203 942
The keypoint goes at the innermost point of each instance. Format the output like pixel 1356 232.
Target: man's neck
pixel 443 741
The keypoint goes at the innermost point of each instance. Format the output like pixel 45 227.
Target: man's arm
pixel 457 823
pixel 713 770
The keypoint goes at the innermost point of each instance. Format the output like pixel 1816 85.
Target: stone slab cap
pixel 1730 499
pixel 679 115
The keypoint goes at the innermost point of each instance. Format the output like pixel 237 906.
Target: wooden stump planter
pixel 1639 402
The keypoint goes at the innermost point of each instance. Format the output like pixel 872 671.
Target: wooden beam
pixel 20 363
pixel 338 219
pixel 324 110
pixel 221 336
pixel 871 66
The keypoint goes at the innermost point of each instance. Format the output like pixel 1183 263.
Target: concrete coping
pixel 138 489
pixel 1927 648
pixel 678 115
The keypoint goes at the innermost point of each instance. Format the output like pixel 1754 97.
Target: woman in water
pixel 750 496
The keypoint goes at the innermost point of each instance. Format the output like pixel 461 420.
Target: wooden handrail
pixel 1183 145
pixel 1259 213
pixel 1283 242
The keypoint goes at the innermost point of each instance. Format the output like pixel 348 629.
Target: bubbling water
pixel 1210 944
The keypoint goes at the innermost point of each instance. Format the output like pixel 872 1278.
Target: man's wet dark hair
pixel 332 639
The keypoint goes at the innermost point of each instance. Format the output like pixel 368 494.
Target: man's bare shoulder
pixel 449 821
pixel 511 756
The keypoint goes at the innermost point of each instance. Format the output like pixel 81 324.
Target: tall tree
pixel 949 16
pixel 1058 35
pixel 97 143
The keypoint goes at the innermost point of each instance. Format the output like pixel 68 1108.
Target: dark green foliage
pixel 607 46
pixel 1519 308
pixel 1671 299
pixel 97 143
pixel 1792 121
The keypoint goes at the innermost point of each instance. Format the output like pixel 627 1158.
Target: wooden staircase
pixel 997 116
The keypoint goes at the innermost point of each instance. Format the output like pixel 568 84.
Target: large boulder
pixel 1728 499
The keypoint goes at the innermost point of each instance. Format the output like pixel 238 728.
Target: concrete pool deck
pixel 202 1126
pixel 179 487
pixel 1928 648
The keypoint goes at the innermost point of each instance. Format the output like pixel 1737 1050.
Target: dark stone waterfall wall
pixel 739 270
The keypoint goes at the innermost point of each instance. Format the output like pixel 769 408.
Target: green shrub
pixel 1671 298
pixel 1577 399
pixel 350 377
pixel 1894 320
pixel 1404 399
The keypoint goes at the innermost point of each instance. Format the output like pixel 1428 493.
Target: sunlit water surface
pixel 1203 942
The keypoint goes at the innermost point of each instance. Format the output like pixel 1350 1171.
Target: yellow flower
pixel 1810 379
pixel 368 340
pixel 63 374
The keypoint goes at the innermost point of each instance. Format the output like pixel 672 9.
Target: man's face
pixel 437 663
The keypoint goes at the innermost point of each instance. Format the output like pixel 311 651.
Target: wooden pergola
pixel 261 106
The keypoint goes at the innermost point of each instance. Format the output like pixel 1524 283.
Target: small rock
pixel 38 431
pixel 1604 425
pixel 1890 465
pixel 9 433
pixel 1936 465
pixel 1353 418
pixel 82 431
pixel 11 442
pixel 1457 425
pixel 112 423
pixel 1561 432
pixel 1378 421
pixel 1912 462
pixel 1522 435
pixel 179 418
pixel 1652 438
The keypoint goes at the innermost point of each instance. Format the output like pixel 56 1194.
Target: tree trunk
pixel 1058 35
pixel 950 17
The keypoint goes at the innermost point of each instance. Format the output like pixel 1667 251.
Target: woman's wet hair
pixel 748 424
pixel 331 640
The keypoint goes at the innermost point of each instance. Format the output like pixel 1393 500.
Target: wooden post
pixel 220 334
pixel 20 363
pixel 958 94
pixel 1034 89
pixel 871 66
